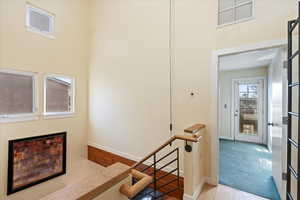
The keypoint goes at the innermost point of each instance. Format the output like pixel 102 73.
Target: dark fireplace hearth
pixel 34 160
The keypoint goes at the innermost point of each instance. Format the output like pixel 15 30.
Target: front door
pixel 248 109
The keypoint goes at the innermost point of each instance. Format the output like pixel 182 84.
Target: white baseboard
pixel 188 197
pixel 197 191
pixel 130 157
pixel 225 138
pixel 211 181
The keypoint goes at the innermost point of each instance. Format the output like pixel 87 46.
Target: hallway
pixel 247 167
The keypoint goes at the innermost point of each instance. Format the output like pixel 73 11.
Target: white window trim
pixel 18 118
pixel 49 34
pixel 23 116
pixel 234 7
pixel 52 115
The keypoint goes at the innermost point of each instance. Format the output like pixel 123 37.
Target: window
pixel 234 11
pixel 39 21
pixel 17 99
pixel 59 95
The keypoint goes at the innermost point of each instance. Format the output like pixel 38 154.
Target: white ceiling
pixel 251 59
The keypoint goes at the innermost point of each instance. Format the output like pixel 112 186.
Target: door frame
pixel 214 88
pixel 264 113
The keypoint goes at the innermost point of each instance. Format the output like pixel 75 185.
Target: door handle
pixel 236 113
pixel 270 124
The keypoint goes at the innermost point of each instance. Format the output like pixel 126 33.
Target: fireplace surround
pixel 35 160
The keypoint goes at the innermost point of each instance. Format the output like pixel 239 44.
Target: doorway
pixel 247 143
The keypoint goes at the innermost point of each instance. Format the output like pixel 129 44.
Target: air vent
pixel 39 21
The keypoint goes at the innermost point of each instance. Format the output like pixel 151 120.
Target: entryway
pixel 249 112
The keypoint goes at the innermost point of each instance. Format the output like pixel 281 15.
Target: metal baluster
pixel 298 162
pixel 178 181
pixel 154 175
pixel 289 109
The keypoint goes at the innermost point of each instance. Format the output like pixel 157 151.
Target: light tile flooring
pixel 222 192
pixel 76 172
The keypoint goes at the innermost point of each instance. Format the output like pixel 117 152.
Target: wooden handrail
pixel 175 137
pixel 143 181
pixel 195 128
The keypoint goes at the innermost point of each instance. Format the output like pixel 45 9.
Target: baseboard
pixel 111 150
pixel 197 191
pixel 188 197
pixel 276 188
pixel 129 156
pixel 206 180
pixel 225 138
pixel 211 181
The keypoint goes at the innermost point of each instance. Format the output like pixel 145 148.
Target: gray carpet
pixel 247 167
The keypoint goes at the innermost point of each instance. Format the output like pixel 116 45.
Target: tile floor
pixel 222 192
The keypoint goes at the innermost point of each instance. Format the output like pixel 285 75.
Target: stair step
pixel 142 195
pixel 170 198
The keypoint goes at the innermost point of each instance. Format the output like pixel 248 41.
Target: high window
pixel 40 21
pixel 17 95
pixel 234 11
pixel 59 95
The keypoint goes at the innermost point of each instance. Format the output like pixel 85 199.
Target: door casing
pixel 214 87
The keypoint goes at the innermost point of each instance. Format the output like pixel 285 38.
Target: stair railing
pixel 159 172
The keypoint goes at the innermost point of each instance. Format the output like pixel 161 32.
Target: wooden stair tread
pixel 170 198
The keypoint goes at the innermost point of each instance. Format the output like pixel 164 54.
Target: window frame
pixel 234 8
pixel 51 115
pixel 23 116
pixel 51 16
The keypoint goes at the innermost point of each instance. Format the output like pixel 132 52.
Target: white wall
pixel 197 36
pixel 225 91
pixel 66 55
pixel 129 69
pixel 129 85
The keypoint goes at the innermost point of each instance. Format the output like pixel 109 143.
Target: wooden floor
pixel 222 192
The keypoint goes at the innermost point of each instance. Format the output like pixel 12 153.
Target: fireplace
pixel 34 160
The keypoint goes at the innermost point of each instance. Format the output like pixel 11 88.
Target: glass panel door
pixel 248 110
pixel 248 94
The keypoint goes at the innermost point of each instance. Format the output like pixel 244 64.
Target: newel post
pixel 194 163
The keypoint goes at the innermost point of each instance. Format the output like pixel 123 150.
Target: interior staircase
pixel 153 176
pixel 156 177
